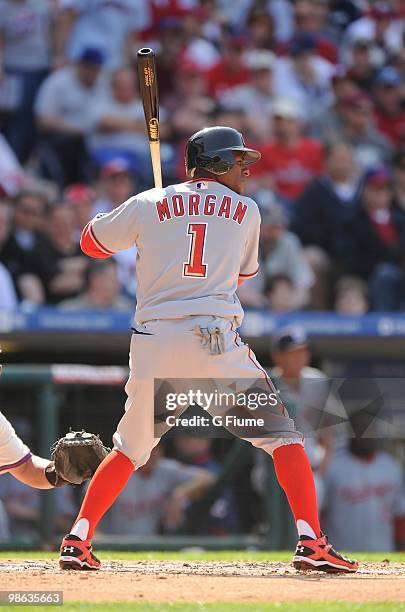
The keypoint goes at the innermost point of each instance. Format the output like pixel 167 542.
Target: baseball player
pixel 196 242
pixel 17 459
pixel 75 458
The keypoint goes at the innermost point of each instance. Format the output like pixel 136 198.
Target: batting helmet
pixel 212 149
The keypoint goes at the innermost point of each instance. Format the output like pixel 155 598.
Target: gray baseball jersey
pixel 362 498
pixel 142 503
pixel 194 241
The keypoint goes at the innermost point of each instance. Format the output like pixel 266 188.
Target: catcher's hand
pixel 75 458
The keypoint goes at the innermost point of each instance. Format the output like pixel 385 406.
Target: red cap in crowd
pixel 77 193
pixel 378 176
pixel 114 167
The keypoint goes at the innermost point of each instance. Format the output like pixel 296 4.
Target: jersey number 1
pixel 195 265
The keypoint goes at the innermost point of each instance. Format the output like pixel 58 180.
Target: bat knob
pixel 145 52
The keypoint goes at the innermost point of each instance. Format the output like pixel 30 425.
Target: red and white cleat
pixel 319 555
pixel 76 554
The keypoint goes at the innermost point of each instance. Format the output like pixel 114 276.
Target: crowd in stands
pixel 316 85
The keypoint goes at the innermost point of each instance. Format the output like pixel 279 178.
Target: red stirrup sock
pixel 294 475
pixel 107 483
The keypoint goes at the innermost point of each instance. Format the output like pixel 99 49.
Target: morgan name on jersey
pixel 199 205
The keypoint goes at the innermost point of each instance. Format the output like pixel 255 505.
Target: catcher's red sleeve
pixel 91 245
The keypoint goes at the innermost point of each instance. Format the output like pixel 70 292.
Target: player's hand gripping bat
pixel 150 100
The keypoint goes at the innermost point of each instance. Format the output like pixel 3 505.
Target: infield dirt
pixel 204 581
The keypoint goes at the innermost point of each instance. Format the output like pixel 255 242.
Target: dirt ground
pixel 204 581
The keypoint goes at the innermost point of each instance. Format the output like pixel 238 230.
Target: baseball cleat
pixel 319 555
pixel 76 554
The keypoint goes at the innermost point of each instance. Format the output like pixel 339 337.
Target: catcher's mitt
pixel 75 458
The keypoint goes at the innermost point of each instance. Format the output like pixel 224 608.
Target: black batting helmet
pixel 212 149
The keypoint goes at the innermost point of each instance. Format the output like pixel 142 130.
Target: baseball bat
pixel 150 100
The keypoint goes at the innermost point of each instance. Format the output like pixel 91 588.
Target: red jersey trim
pixel 249 275
pixel 98 243
pixel 91 246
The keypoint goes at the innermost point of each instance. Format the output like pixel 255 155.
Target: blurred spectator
pixel 312 17
pixel 303 77
pixel 364 497
pixel 64 109
pixel 260 27
pixel 381 26
pixel 25 59
pixel 377 234
pixel 326 124
pixel 236 118
pixel 156 497
pixel 280 294
pixel 328 201
pixel 230 70
pixel 22 505
pixel 362 60
pixel 321 214
pixel 199 37
pixel 281 253
pixel 390 111
pixel 351 296
pixel 171 44
pixel 280 256
pixel 81 198
pixel 64 264
pixel 306 392
pixel 399 182
pixel 256 95
pixel 221 518
pixel 112 27
pixel 116 185
pixel 163 14
pixel 290 160
pixel 8 297
pixel 21 252
pixel 118 120
pixel 102 290
pixel 189 105
pixel 350 118
pixel 369 146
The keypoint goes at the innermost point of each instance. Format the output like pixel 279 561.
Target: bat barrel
pixel 149 94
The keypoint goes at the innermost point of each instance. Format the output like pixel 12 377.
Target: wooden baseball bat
pixel 150 100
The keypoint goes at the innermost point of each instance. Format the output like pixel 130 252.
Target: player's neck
pixel 205 175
